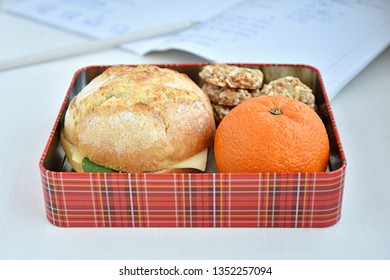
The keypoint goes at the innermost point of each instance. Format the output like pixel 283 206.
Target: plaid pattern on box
pixel 193 200
pixel 199 199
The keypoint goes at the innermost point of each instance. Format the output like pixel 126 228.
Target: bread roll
pixel 138 119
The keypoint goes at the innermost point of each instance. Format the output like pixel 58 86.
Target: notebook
pixel 338 37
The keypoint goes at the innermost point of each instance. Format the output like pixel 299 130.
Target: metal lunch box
pixel 209 199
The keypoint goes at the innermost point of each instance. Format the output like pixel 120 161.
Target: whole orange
pixel 271 134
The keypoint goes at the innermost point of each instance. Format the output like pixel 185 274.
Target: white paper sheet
pixel 339 37
pixel 103 18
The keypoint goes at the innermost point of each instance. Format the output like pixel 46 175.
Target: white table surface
pixel 31 98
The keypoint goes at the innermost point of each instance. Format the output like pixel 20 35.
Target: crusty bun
pixel 138 119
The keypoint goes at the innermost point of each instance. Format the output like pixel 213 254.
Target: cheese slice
pixel 77 156
pixel 197 161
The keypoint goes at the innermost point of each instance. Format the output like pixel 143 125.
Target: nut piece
pixel 291 87
pixel 224 75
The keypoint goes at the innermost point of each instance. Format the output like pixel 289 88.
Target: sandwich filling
pixel 197 161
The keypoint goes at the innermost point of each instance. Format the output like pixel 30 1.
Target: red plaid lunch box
pixel 209 199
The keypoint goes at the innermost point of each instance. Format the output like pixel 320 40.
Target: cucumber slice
pixel 89 166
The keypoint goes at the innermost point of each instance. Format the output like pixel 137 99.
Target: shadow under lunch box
pixel 208 199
